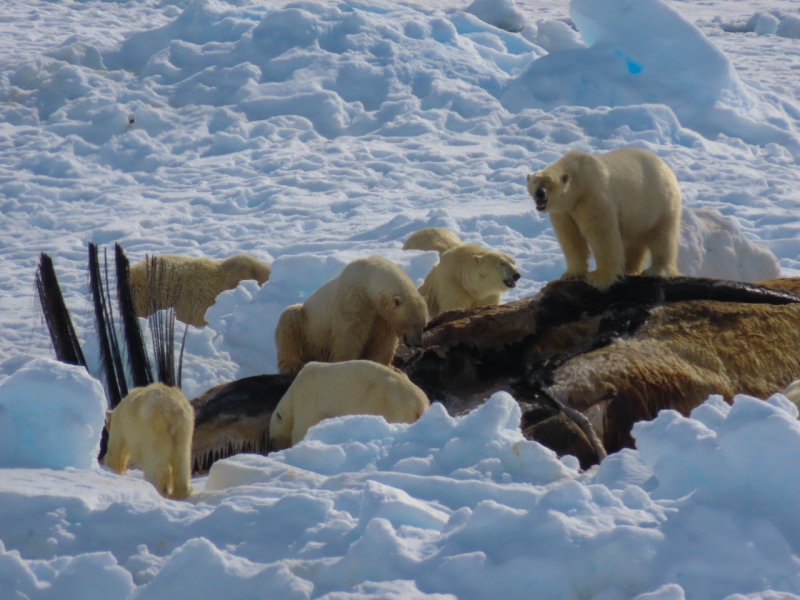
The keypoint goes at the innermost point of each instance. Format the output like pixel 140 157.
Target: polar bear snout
pixel 511 282
pixel 413 339
pixel 540 197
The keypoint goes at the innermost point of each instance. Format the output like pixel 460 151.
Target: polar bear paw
pixel 601 281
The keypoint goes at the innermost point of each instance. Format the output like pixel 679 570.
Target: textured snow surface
pixel 312 133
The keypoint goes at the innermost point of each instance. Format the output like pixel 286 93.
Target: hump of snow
pixel 644 52
pixel 500 13
pixel 51 415
pixel 713 245
pixel 789 27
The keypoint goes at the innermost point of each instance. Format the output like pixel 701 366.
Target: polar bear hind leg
pixel 664 251
pixel 290 339
pixel 181 467
pixel 157 470
pixel 635 254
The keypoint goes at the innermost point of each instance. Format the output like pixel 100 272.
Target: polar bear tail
pixel 290 339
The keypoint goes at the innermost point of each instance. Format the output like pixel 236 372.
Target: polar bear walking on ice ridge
pixel 620 205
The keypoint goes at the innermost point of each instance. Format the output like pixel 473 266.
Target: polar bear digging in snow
pixel 619 205
pixel 153 425
pixel 190 285
pixel 358 315
pixel 355 387
pixel 467 275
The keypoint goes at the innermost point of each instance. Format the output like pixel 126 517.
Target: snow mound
pixel 555 36
pixel 789 27
pixel 51 415
pixel 713 245
pixel 484 445
pixel 447 507
pixel 500 13
pixel 766 24
pixel 646 53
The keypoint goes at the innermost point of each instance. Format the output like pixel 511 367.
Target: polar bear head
pixel 406 313
pixel 559 186
pixel 491 272
pixel 394 296
pixel 243 266
pixel 547 187
pixel 282 422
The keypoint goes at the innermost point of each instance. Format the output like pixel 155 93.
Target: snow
pixel 51 415
pixel 309 134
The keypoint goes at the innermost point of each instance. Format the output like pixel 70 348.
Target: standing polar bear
pixel 358 315
pixel 619 205
pixel 355 387
pixel 467 275
pixel 153 425
pixel 190 285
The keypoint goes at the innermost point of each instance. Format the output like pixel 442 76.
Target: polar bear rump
pixel 356 387
pixel 619 205
pixel 360 314
pixel 432 238
pixel 153 426
pixel 468 276
pixel 189 285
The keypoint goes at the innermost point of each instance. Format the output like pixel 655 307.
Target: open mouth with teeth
pixel 510 283
pixel 540 198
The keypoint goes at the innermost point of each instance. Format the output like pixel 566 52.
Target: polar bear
pixel 153 425
pixel 468 276
pixel 432 238
pixel 619 205
pixel 792 392
pixel 190 285
pixel 358 315
pixel 354 387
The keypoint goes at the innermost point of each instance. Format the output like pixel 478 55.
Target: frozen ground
pixel 311 133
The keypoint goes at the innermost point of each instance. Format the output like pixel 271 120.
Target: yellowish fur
pixel 356 387
pixel 358 315
pixel 792 392
pixel 153 426
pixel 619 205
pixel 191 285
pixel 432 238
pixel 468 276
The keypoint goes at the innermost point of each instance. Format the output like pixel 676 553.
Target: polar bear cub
pixel 188 284
pixel 358 315
pixel 355 387
pixel 153 425
pixel 619 205
pixel 467 275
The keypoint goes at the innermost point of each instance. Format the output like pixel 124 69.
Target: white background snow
pixel 311 133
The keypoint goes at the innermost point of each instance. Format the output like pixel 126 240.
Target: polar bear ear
pixel 528 177
pixel 565 179
pixel 108 419
pixel 397 301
